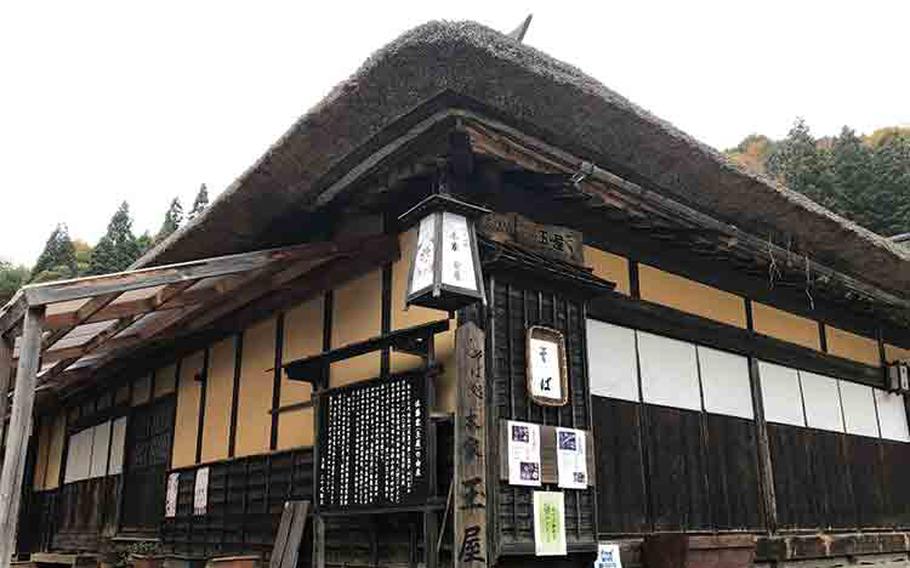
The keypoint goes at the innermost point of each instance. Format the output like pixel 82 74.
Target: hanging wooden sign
pixel 551 241
pixel 548 381
pixel 471 543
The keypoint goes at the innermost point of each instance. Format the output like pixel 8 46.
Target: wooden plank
pixel 19 431
pixel 318 542
pixel 92 286
pixel 11 314
pixel 161 298
pixel 281 537
pixel 126 308
pixel 292 546
pixel 84 312
pixel 6 371
pixel 471 493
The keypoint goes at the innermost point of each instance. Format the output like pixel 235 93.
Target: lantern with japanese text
pixel 445 270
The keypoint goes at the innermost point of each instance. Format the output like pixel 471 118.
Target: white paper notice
pixel 571 458
pixel 607 556
pixel 457 261
pixel 170 500
pixel 524 454
pixel 546 380
pixel 201 491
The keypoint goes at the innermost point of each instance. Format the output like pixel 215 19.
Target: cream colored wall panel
pixel 303 329
pixel 219 392
pixel 690 296
pixel 894 353
pixel 357 315
pixel 254 398
pixel 609 266
pixel 186 423
pixel 852 346
pixel 785 326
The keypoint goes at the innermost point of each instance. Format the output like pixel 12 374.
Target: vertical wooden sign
pixel 471 544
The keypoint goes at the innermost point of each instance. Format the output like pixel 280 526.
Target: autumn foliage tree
pixel 863 178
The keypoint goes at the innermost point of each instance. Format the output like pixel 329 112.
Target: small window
pixel 822 402
pixel 859 409
pixel 892 416
pixel 612 361
pixel 101 443
pixel 96 451
pixel 669 372
pixel 781 394
pixel 118 438
pixel 725 383
pixel 79 456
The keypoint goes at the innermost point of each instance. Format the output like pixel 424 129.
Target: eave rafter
pixel 153 304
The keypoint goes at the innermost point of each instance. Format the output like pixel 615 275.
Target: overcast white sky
pixel 102 102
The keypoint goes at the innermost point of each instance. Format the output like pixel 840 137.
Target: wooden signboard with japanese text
pixel 551 241
pixel 471 542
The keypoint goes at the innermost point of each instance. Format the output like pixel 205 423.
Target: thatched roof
pixel 548 98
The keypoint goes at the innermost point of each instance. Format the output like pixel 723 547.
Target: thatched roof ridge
pixel 557 102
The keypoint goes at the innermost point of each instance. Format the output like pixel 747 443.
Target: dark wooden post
pixel 430 520
pixel 765 467
pixel 19 430
pixel 471 548
pixel 6 371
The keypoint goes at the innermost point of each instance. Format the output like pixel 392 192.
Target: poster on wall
pixel 571 458
pixel 201 491
pixel 170 499
pixel 607 556
pixel 549 523
pixel 524 454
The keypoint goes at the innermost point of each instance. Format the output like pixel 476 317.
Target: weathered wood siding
pixel 515 305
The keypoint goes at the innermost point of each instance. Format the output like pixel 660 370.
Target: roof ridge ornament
pixel 518 34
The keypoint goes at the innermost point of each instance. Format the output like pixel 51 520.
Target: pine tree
pixel 118 248
pixel 172 220
pixel 802 166
pixel 83 256
pixel 58 259
pixel 863 178
pixel 200 203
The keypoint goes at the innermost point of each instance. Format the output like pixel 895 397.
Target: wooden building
pixel 728 347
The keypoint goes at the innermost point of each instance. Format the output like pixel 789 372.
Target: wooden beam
pixel 11 314
pixel 53 292
pixel 84 312
pixel 160 299
pixel 6 371
pixel 609 185
pixel 126 308
pixel 19 432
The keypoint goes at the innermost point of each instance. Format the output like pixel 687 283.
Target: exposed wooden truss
pixel 76 327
